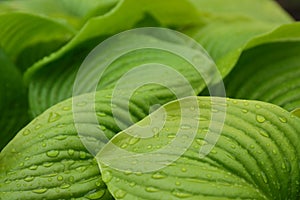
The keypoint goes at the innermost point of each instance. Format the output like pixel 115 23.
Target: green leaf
pixel 13 100
pixel 255 157
pixel 262 10
pixel 69 12
pixel 26 39
pixel 225 40
pixel 55 162
pixel 64 63
pixel 273 75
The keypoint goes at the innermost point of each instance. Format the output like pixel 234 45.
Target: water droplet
pixel 60 178
pixel 274 152
pixel 47 164
pixel 65 186
pixel 244 110
pixel 13 150
pixel 158 175
pixel 183 169
pixel 29 178
pixel 152 189
pixel 103 128
pixel 233 146
pixel 60 137
pixel 180 194
pixel 201 142
pixel 98 183
pixel 134 140
pixel 82 154
pixel 106 176
pixel 177 183
pixel 283 166
pixel 26 132
pixel 185 127
pixel 33 167
pixel 21 164
pixel 96 195
pixel 52 153
pixel 124 145
pixel 234 101
pixel 192 108
pixel 149 146
pixel 101 114
pixel 214 151
pixel 40 191
pixel 120 194
pixel 260 118
pixel 252 146
pixel 132 184
pixel 44 145
pixel 80 104
pixel 263 175
pixel 263 133
pixel 171 135
pixel 53 117
pixel 71 152
pixel 283 119
pixel 37 127
pixel 81 168
pixel 66 108
pixel 257 106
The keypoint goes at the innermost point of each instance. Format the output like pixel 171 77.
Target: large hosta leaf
pixel 256 156
pixel 71 12
pixel 273 75
pixel 262 10
pixel 13 100
pixel 26 39
pixel 47 158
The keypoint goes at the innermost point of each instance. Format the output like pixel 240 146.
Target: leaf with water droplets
pixel 255 157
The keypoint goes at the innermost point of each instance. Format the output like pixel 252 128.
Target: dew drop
pixel 60 178
pixel 71 179
pixel 101 114
pixel 263 175
pixel 60 137
pixel 201 142
pixel 37 127
pixel 53 117
pixel 132 184
pixel 82 154
pixel 244 110
pixel 177 183
pixel 106 176
pixel 183 169
pixel 185 127
pixel 47 164
pixel 134 140
pixel 124 145
pixel 263 133
pixel 96 195
pixel 29 178
pixel 283 119
pixel 39 191
pixel 52 153
pixel 181 194
pixel 71 152
pixel 33 167
pixel 171 135
pixel 274 152
pixel 120 194
pixel 158 175
pixel 260 118
pixel 151 189
pixel 26 132
pixel 65 186
pixel 66 108
pixel 257 106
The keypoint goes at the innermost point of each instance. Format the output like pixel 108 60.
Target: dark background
pixel 292 6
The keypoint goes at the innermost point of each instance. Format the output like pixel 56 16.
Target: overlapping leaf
pixel 273 75
pixel 256 156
